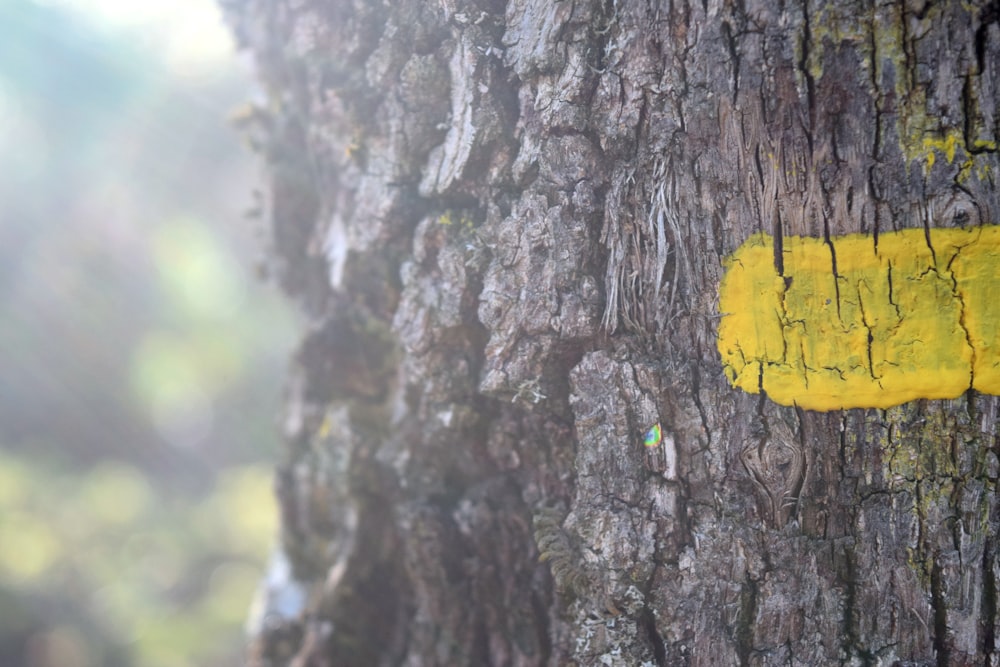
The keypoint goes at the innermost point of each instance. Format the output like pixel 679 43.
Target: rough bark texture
pixel 506 223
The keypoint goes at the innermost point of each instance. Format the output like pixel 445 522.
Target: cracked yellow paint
pixel 852 324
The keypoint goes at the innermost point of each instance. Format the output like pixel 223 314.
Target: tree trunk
pixel 516 433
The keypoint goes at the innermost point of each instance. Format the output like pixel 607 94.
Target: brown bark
pixel 506 224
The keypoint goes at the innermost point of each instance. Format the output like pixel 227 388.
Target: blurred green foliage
pixel 142 362
pixel 119 569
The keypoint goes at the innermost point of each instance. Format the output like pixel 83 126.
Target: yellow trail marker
pixel 852 324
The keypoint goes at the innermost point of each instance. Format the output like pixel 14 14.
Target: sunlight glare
pixel 191 33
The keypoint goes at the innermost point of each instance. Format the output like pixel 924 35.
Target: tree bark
pixel 508 224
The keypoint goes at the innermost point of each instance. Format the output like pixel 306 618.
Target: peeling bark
pixel 506 223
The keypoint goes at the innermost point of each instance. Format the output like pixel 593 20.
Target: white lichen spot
pixel 279 595
pixel 635 600
pixel 529 391
pixel 335 249
pixel 669 448
pixel 445 416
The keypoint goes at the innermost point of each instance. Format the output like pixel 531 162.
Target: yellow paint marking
pixel 918 316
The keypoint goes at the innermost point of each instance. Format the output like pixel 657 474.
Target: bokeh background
pixel 140 357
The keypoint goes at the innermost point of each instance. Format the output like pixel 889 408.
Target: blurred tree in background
pixel 140 358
